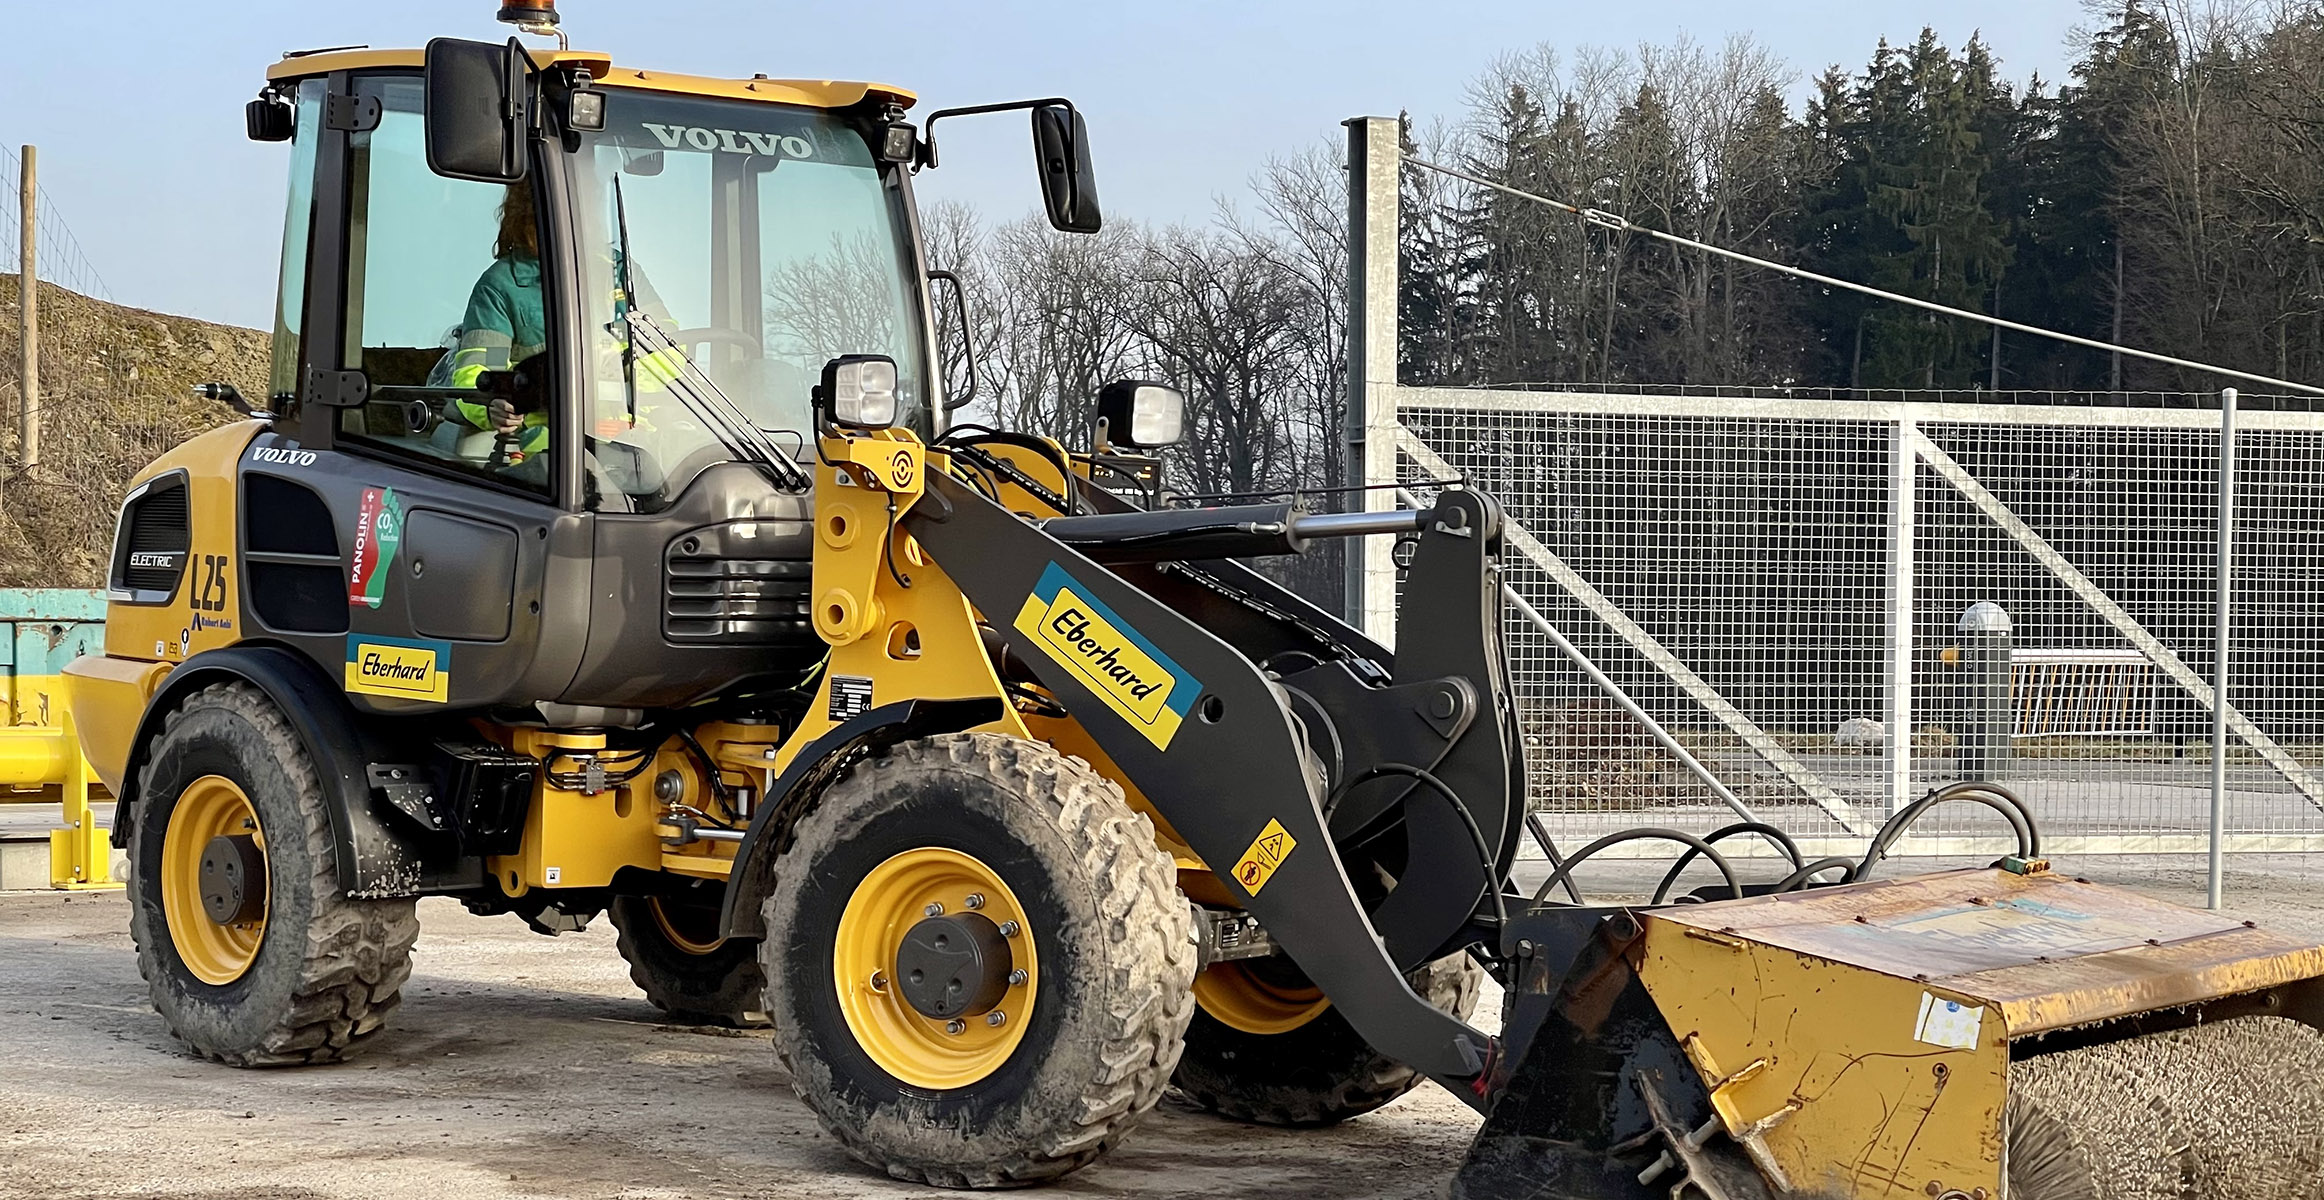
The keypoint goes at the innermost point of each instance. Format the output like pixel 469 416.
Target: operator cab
pixel 554 326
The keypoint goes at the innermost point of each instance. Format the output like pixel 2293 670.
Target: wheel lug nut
pixel 956 1027
pixel 975 900
pixel 995 1017
pixel 934 910
pixel 1017 977
pixel 1008 929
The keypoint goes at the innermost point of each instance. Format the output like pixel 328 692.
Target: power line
pixel 1617 223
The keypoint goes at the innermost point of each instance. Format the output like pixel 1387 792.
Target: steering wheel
pixel 718 335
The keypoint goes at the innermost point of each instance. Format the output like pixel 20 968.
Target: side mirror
pixel 1140 414
pixel 476 96
pixel 1061 155
pixel 270 118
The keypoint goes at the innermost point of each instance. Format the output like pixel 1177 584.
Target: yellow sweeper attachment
pixel 1971 1035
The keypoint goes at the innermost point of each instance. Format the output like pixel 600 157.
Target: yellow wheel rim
pixel 1236 997
pixel 685 927
pixel 919 1050
pixel 210 807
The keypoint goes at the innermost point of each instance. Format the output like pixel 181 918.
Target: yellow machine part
pixel 207 611
pixel 1856 1041
pixel 816 93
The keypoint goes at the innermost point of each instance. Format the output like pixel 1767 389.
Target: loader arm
pixel 1210 741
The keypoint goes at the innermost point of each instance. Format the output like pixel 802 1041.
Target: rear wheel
pixel 977 962
pixel 678 960
pixel 1266 1047
pixel 252 955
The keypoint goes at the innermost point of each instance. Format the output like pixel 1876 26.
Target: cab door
pixel 442 526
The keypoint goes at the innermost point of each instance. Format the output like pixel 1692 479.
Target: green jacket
pixel 505 323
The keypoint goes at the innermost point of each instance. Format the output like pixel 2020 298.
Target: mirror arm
pixel 928 127
pixel 967 339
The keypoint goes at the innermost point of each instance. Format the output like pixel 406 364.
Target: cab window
pixel 446 316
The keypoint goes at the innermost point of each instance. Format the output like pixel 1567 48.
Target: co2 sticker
pixel 1267 852
pixel 378 531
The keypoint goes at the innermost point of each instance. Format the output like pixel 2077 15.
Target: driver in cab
pixel 504 326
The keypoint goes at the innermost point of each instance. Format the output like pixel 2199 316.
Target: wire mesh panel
pixel 1725 575
pixel 1710 624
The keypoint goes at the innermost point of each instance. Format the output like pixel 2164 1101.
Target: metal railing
pixel 1730 601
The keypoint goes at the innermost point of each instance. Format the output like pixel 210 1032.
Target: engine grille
pixel 736 601
pixel 149 553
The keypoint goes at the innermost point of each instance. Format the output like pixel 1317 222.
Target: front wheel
pixel 252 955
pixel 978 962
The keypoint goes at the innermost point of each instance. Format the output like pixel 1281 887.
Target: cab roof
pixel 814 93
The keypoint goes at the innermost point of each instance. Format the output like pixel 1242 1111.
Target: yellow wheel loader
pixel 604 547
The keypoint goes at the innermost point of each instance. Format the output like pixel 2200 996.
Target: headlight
pixel 859 391
pixel 1141 414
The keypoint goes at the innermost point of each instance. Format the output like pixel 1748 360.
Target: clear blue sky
pixel 137 108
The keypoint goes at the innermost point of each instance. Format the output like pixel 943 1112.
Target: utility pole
pixel 28 317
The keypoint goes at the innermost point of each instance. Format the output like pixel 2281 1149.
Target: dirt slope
pixel 114 394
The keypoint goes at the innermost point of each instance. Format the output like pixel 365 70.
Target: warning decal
pixel 1947 1023
pixel 1267 852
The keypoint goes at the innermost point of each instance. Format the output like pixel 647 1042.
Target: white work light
pixel 1141 414
pixel 859 391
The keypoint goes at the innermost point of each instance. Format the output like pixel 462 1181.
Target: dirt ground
pixel 524 1066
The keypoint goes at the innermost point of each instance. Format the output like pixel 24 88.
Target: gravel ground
pixel 521 1066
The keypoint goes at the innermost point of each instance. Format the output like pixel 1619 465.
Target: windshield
pixel 766 241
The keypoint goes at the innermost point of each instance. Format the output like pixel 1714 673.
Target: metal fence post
pixel 28 314
pixel 1902 462
pixel 1987 720
pixel 1375 153
pixel 2226 552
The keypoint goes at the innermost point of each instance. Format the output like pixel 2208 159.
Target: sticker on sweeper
pixel 1948 1023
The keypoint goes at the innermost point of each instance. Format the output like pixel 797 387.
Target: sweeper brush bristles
pixel 2226 1111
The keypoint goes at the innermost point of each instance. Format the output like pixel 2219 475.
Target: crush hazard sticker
pixel 1130 674
pixel 378 531
pixel 409 668
pixel 1267 852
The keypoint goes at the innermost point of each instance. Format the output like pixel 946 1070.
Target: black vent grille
pixel 156 533
pixel 736 601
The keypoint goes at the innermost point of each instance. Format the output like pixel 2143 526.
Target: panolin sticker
pixel 1948 1023
pixel 378 531
pixel 1267 852
pixel 410 668
pixel 851 696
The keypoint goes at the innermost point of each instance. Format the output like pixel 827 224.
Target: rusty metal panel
pixel 2046 950
pixel 1830 1075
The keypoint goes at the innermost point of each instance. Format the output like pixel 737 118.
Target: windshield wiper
pixel 701 393
pixel 692 385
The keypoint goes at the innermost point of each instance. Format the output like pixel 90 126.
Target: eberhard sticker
pixel 1130 674
pixel 403 667
pixel 1267 852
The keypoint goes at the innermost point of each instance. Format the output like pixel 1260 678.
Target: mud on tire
pixel 1112 936
pixel 328 969
pixel 677 959
pixel 1318 1074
